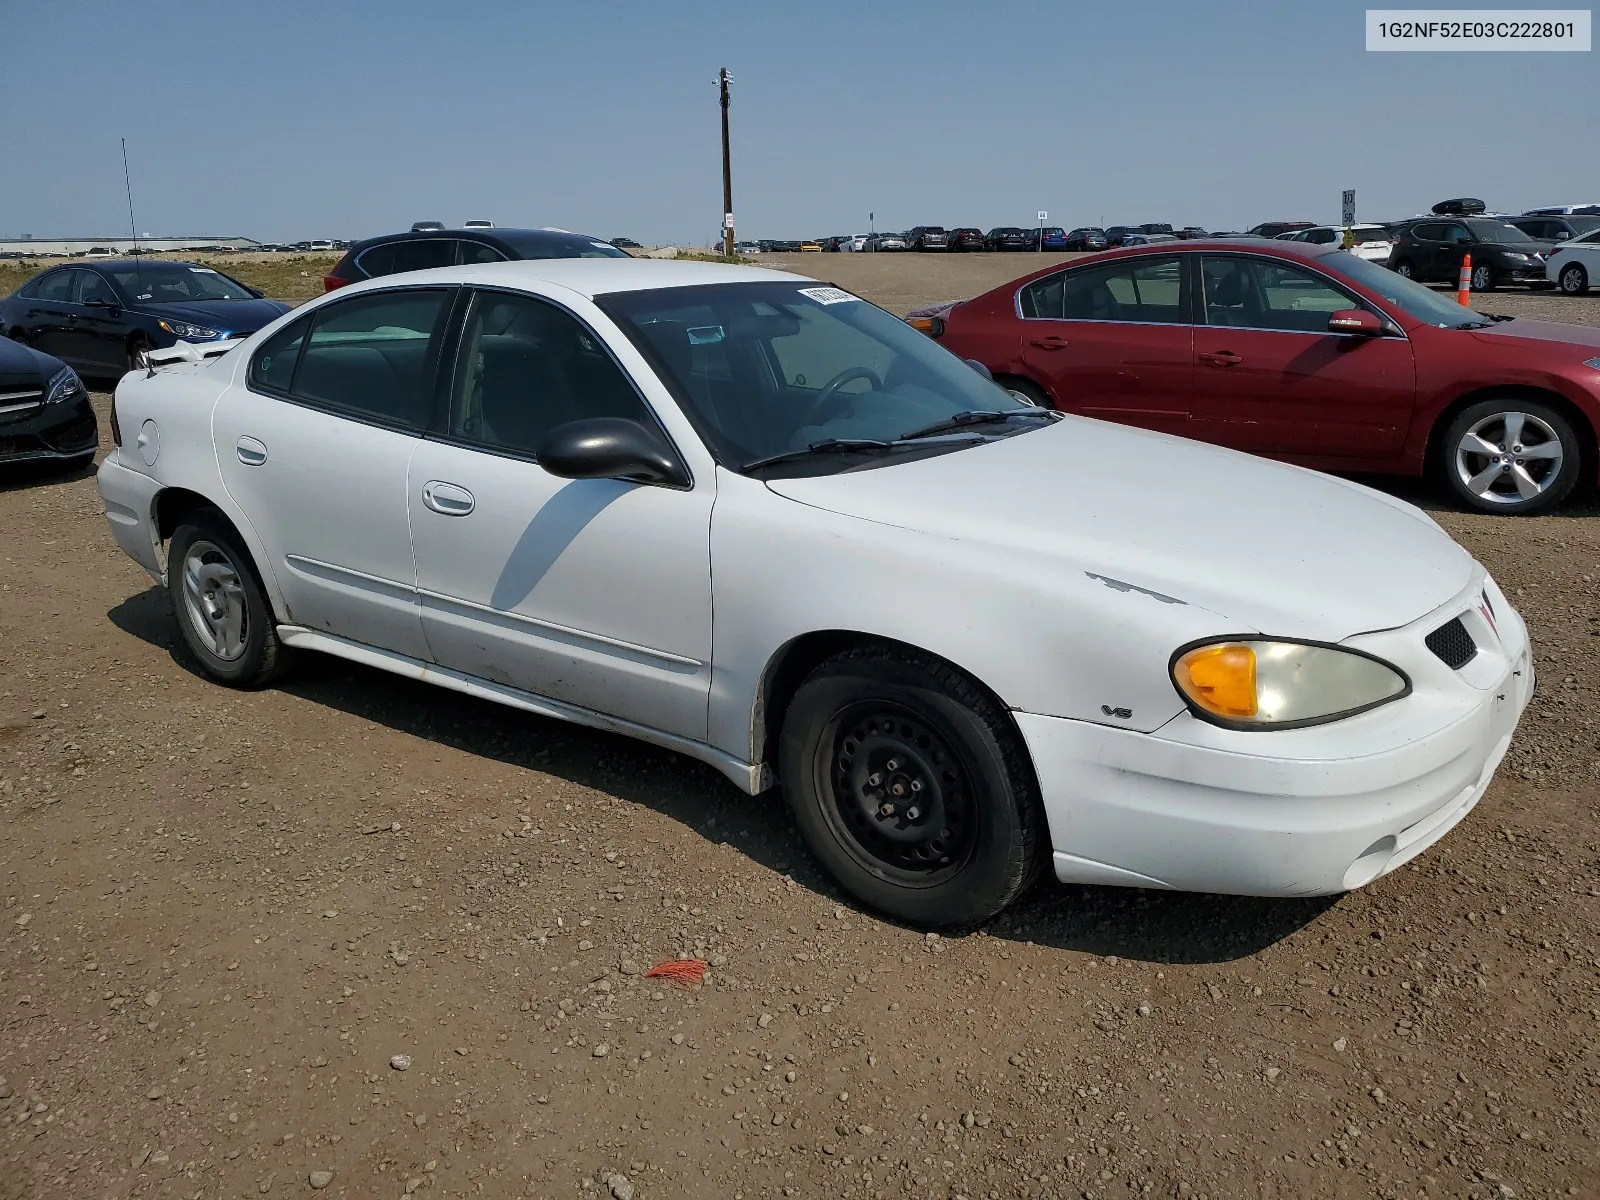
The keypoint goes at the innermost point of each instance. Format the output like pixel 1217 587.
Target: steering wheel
pixel 830 390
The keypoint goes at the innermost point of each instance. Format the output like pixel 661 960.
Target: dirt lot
pixel 225 913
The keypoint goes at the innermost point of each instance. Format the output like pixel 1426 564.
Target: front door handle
pixel 447 499
pixel 251 452
pixel 1221 358
pixel 1052 342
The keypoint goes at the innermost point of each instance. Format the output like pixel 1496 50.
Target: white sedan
pixel 1574 266
pixel 1370 242
pixel 757 520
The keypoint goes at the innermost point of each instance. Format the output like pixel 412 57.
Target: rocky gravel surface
pixel 358 936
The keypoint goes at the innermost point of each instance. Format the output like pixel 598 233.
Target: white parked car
pixel 1371 241
pixel 855 242
pixel 757 520
pixel 1574 266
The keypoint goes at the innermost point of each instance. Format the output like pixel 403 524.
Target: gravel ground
pixel 356 935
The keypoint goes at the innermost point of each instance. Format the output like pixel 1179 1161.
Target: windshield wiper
pixel 826 446
pixel 976 417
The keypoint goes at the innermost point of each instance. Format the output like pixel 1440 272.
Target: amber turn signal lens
pixel 932 326
pixel 1221 678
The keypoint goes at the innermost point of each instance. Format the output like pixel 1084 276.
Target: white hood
pixel 1273 548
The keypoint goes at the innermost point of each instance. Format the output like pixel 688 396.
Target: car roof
pixel 131 263
pixel 500 233
pixel 588 277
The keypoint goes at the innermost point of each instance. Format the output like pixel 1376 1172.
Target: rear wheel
pixel 911 786
pixel 1483 279
pixel 1512 455
pixel 1573 280
pixel 1404 269
pixel 1026 391
pixel 222 611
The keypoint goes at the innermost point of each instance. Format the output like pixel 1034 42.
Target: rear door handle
pixel 1221 358
pixel 251 452
pixel 447 499
pixel 1053 342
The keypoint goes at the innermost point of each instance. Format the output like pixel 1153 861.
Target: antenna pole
pixel 127 182
pixel 723 80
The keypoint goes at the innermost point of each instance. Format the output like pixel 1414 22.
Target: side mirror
pixel 1357 321
pixel 97 302
pixel 610 448
pixel 980 368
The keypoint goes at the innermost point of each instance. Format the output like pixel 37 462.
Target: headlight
pixel 1516 256
pixel 189 333
pixel 64 384
pixel 1249 684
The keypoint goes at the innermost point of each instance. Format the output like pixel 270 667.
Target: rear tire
pixel 911 786
pixel 221 608
pixel 1573 280
pixel 1023 389
pixel 1512 456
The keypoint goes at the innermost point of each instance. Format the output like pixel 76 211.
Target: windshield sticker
pixel 146 296
pixel 202 270
pixel 602 245
pixel 705 335
pixel 828 295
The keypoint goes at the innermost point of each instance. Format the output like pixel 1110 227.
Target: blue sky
pixel 345 118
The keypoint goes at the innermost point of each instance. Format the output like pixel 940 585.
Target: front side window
pixel 1457 235
pixel 177 283
pixel 525 367
pixel 1144 290
pixel 372 356
pixel 1253 293
pixel 774 368
pixel 92 288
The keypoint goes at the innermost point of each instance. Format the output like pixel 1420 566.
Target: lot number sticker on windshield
pixel 825 295
pixel 202 270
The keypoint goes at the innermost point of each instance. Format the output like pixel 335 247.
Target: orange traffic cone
pixel 1464 284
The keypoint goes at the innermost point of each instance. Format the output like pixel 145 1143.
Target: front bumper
pixel 62 431
pixel 1295 813
pixel 129 499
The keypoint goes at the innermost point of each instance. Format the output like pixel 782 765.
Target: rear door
pixel 1271 379
pixel 49 315
pixel 314 444
pixel 1114 341
pixel 1427 250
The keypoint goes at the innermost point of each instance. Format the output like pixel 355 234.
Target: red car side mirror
pixel 1357 321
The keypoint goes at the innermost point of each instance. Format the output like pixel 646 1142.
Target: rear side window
pixel 1319 237
pixel 56 287
pixel 376 260
pixel 273 366
pixel 1428 232
pixel 422 255
pixel 1147 291
pixel 477 252
pixel 373 357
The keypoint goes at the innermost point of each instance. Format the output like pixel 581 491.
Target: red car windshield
pixel 1411 297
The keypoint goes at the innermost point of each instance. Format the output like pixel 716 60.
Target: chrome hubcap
pixel 214 598
pixel 1509 458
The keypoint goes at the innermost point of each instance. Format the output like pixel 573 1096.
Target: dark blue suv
pixel 101 318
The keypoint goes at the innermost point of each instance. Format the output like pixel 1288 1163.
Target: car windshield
pixel 176 283
pixel 1583 225
pixel 1408 295
pixel 1496 231
pixel 542 244
pixel 769 368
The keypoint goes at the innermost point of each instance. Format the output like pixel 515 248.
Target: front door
pixel 314 446
pixel 1114 341
pixel 100 329
pixel 1269 377
pixel 594 592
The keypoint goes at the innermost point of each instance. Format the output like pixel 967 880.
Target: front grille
pixel 74 434
pixel 1452 644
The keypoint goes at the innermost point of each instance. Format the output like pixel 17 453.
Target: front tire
pixel 911 786
pixel 1404 269
pixel 1483 279
pixel 1024 389
pixel 221 608
pixel 1573 280
pixel 1512 456
pixel 136 351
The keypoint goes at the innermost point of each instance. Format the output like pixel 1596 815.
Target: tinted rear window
pixel 540 244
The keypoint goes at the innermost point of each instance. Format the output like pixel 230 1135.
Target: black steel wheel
pixel 910 784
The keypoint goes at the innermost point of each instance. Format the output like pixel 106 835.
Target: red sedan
pixel 1299 352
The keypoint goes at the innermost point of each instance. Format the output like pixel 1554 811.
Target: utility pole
pixel 723 80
